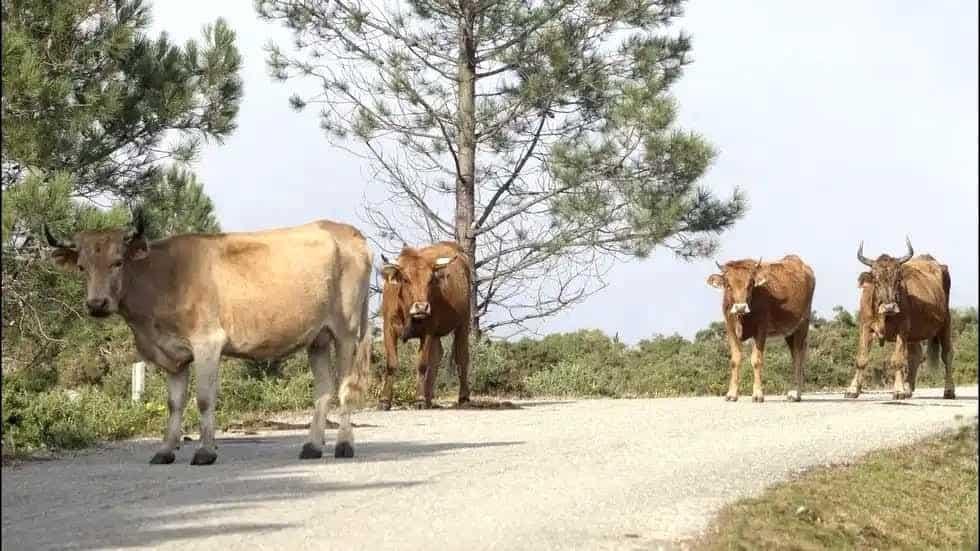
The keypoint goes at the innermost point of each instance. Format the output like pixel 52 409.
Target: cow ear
pixel 864 279
pixel 442 262
pixel 137 248
pixel 716 281
pixel 390 273
pixel 65 258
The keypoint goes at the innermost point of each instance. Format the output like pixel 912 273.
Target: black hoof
pixel 204 456
pixel 384 405
pixel 901 395
pixel 949 394
pixel 423 404
pixel 793 398
pixel 310 451
pixel 162 458
pixel 758 399
pixel 731 398
pixel 463 400
pixel 344 450
pixel 851 395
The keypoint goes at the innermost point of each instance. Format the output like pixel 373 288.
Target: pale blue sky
pixel 842 120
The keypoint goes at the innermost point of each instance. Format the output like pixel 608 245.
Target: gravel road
pixel 589 474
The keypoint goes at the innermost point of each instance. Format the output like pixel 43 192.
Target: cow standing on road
pixel 190 299
pixel 426 296
pixel 904 300
pixel 765 299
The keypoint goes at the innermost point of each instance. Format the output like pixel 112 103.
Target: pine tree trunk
pixel 466 149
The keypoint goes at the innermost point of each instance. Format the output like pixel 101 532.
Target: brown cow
pixel 765 299
pixel 904 300
pixel 426 296
pixel 190 299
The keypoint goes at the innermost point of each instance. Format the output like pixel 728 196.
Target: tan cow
pixel 426 296
pixel 904 300
pixel 765 299
pixel 190 299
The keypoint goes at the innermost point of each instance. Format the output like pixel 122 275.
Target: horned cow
pixel 426 296
pixel 904 300
pixel 765 299
pixel 190 299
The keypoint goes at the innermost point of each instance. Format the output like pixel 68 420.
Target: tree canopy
pixel 540 135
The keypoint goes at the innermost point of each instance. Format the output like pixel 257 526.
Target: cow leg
pixel 758 354
pixel 899 364
pixel 946 340
pixel 736 360
pixel 434 361
pixel 176 402
pixel 861 362
pixel 391 366
pixel 461 357
pixel 915 358
pixel 346 349
pixel 430 358
pixel 797 349
pixel 325 388
pixel 206 360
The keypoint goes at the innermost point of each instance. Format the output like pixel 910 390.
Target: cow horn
pixel 384 259
pixel 908 256
pixel 53 241
pixel 861 257
pixel 720 267
pixel 139 224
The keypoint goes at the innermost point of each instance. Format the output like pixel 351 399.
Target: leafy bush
pixel 39 410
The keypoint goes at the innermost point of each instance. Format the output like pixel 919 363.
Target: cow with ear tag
pixel 760 300
pixel 426 296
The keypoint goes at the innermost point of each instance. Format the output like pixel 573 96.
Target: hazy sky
pixel 841 120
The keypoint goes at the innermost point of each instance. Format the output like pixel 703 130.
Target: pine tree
pixel 539 135
pixel 86 91
pixel 93 110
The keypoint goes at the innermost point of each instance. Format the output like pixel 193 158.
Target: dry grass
pixel 922 496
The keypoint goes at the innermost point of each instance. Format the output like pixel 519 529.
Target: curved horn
pixel 384 259
pixel 861 257
pixel 52 240
pixel 720 267
pixel 908 256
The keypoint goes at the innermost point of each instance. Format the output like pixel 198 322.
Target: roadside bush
pixel 68 400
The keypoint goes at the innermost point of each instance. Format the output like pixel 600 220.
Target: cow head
pixel 102 256
pixel 418 281
pixel 885 280
pixel 738 280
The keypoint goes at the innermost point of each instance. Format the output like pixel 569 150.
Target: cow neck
pixel 137 282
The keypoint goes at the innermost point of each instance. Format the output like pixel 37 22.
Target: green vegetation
pixel 39 411
pixel 930 488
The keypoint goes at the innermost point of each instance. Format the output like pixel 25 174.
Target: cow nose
pixel 740 308
pixel 890 308
pixel 419 310
pixel 97 306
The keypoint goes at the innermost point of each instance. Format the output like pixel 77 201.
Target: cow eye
pixel 80 268
pixel 117 263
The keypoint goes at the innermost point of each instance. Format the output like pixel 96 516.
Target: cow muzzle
pixel 740 309
pixel 889 309
pixel 98 307
pixel 420 310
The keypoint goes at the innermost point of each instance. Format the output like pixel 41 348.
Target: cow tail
pixel 358 380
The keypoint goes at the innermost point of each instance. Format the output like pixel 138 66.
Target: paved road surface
pixel 602 474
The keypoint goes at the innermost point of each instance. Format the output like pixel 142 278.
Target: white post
pixel 139 378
